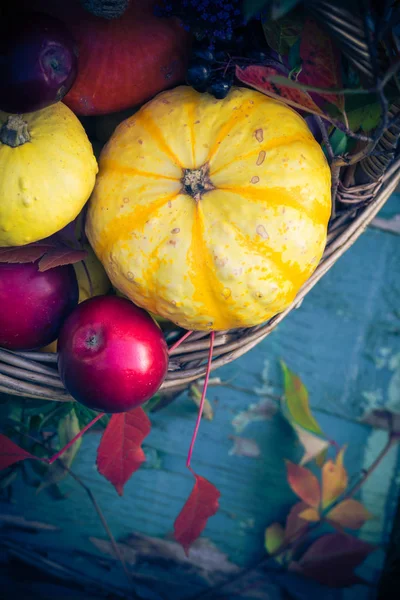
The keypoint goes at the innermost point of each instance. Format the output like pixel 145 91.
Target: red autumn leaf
pixel 304 484
pixel 332 558
pixel 23 254
pixel 120 453
pixel 57 257
pixel 10 453
pixel 259 78
pixel 320 62
pixel 199 507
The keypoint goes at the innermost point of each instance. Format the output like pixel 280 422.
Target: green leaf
pixel 295 408
pixel 274 538
pixel 68 428
pixel 295 404
pixel 85 415
pixel 363 112
pixel 339 142
pixel 283 34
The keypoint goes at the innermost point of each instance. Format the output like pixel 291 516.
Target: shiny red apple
pixel 33 305
pixel 112 355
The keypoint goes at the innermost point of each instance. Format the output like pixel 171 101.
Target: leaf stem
pixel 57 455
pixel 203 397
pixel 179 342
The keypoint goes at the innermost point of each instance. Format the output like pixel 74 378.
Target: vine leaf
pixel 332 558
pixel 295 525
pixel 23 254
pixel 320 62
pixel 304 484
pixel 274 539
pixel 120 453
pixel 296 410
pixel 282 34
pixel 334 479
pixel 63 255
pixel 349 513
pixel 198 508
pixel 258 77
pixel 10 453
pixel 310 514
pixel 49 254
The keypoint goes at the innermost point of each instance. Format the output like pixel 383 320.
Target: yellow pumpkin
pixel 211 213
pixel 48 171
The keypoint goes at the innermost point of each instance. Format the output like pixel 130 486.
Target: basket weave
pixel 33 374
pixel 359 192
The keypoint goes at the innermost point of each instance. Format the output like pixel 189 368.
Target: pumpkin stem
pixel 196 182
pixel 14 132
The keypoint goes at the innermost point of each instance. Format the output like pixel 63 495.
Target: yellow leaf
pixel 334 479
pixel 310 514
pixel 274 537
pixel 350 513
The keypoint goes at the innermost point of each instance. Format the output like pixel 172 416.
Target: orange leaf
pixel 198 508
pixel 120 453
pixel 310 514
pixel 320 62
pixel 349 513
pixel 258 77
pixel 304 484
pixel 334 479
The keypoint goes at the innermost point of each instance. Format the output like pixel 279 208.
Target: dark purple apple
pixel 38 63
pixel 34 305
pixel 112 356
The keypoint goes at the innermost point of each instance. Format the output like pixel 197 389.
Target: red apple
pixel 112 355
pixel 33 305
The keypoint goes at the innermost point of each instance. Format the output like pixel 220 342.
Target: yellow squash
pixel 47 173
pixel 211 213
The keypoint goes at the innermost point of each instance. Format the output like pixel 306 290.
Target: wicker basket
pixel 359 192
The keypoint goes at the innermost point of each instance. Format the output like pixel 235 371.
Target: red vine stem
pixel 180 341
pixel 57 455
pixel 203 397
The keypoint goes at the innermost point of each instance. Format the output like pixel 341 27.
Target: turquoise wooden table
pixel 344 342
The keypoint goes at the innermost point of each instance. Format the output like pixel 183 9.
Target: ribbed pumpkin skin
pixel 239 254
pixel 44 183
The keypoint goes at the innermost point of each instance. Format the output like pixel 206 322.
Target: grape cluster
pixel 212 64
pixel 213 19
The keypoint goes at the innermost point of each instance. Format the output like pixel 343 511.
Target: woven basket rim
pixel 28 374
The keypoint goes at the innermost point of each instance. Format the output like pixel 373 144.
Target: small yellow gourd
pixel 211 213
pixel 47 173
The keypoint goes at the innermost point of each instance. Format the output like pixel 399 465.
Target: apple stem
pixel 179 342
pixel 203 397
pixel 57 455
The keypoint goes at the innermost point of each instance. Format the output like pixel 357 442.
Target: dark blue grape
pixel 221 86
pixel 198 76
pixel 203 54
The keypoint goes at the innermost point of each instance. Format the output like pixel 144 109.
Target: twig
pixel 102 518
pixel 97 508
pixel 325 137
